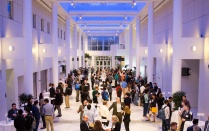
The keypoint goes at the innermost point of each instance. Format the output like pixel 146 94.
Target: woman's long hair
pixel 98 126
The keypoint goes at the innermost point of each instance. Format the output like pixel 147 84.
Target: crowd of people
pixel 95 97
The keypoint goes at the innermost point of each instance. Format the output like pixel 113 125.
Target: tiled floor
pixel 70 118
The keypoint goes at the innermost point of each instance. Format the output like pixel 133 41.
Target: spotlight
pixel 125 17
pixel 44 50
pixel 161 50
pixel 72 3
pixel 11 48
pixel 194 48
pixel 80 17
pixel 145 51
pixel 134 3
pixel 60 51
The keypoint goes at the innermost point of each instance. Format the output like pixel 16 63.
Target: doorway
pixel 44 80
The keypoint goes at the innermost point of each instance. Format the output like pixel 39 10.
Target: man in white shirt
pixel 104 113
pixel 166 122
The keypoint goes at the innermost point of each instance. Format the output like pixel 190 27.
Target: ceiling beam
pixel 100 13
pixel 103 28
pixel 103 22
pixel 96 1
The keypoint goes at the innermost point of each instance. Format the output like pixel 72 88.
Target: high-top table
pixel 7 126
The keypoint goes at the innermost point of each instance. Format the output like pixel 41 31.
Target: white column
pixel 79 45
pixel 83 51
pixel 67 40
pixel 113 61
pixel 137 46
pixel 75 47
pixel 150 41
pixel 55 42
pixel 130 46
pixel 27 33
pixel 177 34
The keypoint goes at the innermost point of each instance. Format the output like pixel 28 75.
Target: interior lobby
pixel 42 41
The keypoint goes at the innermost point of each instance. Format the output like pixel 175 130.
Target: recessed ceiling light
pixel 134 3
pixel 80 17
pixel 125 17
pixel 72 3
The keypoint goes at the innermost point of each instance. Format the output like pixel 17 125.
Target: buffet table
pixel 7 126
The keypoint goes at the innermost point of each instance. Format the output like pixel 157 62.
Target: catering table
pixel 176 118
pixel 7 126
pixel 187 124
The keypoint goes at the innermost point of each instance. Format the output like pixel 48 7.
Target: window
pixel 42 24
pixel 10 9
pixel 64 35
pixel 34 21
pixel 101 43
pixel 61 34
pixel 48 27
pixel 58 32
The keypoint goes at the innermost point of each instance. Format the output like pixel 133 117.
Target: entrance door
pixel 44 80
pixel 35 85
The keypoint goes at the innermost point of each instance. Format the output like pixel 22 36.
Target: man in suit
pixel 36 114
pixel 118 108
pixel 195 126
pixel 52 93
pixel 19 121
pixel 186 116
pixel 58 102
pixel 207 125
pixel 84 126
pixel 12 113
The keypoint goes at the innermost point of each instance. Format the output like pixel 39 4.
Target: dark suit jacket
pixel 58 99
pixel 19 123
pixel 191 128
pixel 10 114
pixel 117 127
pixel 36 112
pixel 114 106
pixel 52 92
pixel 84 126
pixel 187 115
pixel 206 124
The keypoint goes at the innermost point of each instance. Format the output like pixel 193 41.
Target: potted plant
pixel 23 99
pixel 177 97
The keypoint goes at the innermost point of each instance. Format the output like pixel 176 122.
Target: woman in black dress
pixel 116 125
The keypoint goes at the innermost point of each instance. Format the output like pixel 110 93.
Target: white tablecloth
pixel 4 126
pixel 187 124
pixel 176 118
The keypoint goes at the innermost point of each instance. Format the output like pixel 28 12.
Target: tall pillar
pixel 150 41
pixel 55 42
pixel 130 46
pixel 177 34
pixel 75 47
pixel 113 61
pixel 79 48
pixel 27 33
pixel 67 44
pixel 83 51
pixel 137 46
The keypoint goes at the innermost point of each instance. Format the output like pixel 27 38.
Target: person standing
pixel 116 125
pixel 146 103
pixel 207 125
pixel 12 113
pixel 195 126
pixel 118 108
pixel 52 93
pixel 84 125
pixel 95 94
pixel 58 102
pixel 92 81
pixel 28 119
pixel 126 119
pixel 109 88
pixel 105 95
pixel 127 100
pixel 77 89
pixel 69 81
pixel 81 109
pixel 166 122
pixel 36 114
pixel 124 85
pixel 105 113
pixel 68 92
pixel 19 121
pixel 89 113
pixel 186 116
pixel 41 104
pixel 153 107
pixel 160 101
pixel 119 91
pixel 48 111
